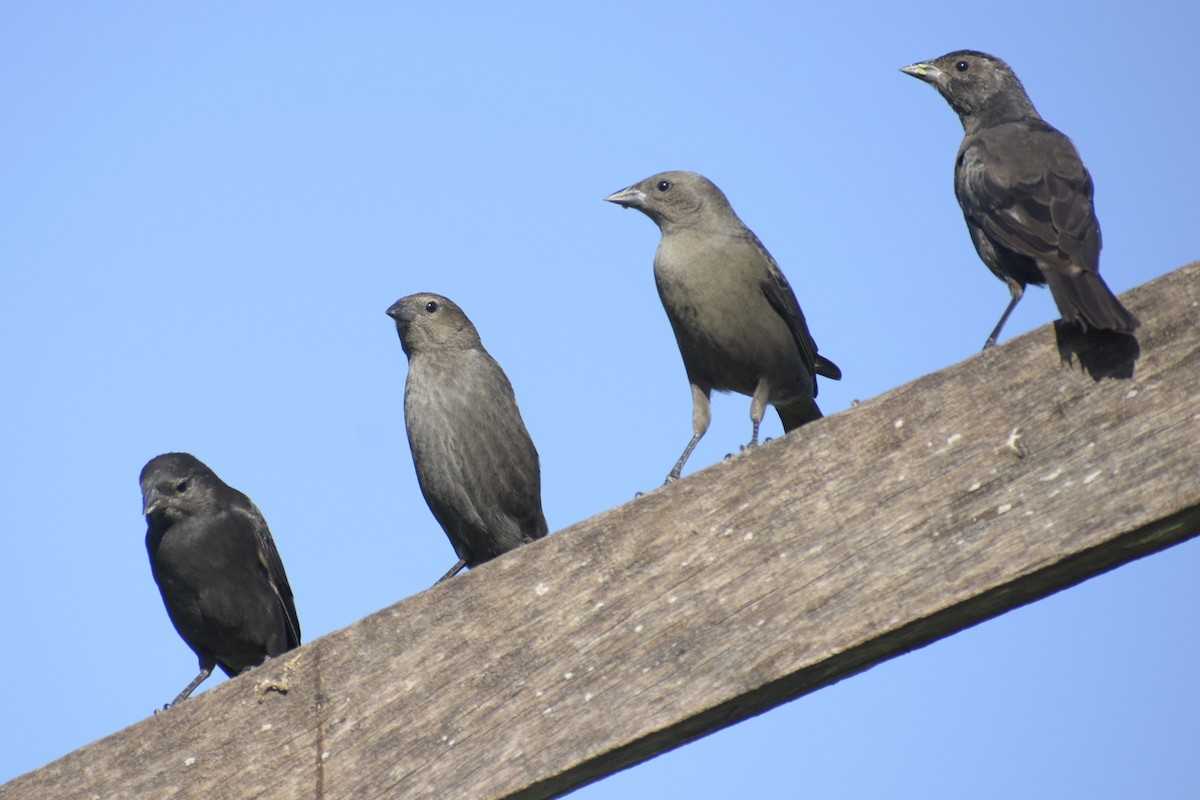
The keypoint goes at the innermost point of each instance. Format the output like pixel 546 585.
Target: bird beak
pixel 924 72
pixel 401 314
pixel 150 501
pixel 628 198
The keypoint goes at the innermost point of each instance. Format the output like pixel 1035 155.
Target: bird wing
pixel 781 297
pixel 1025 186
pixel 510 459
pixel 272 564
pixel 476 464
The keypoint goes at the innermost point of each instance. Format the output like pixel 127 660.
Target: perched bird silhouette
pixel 736 319
pixel 216 567
pixel 475 463
pixel 1024 191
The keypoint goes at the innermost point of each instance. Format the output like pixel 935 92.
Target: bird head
pixel 675 199
pixel 175 485
pixel 427 321
pixel 982 89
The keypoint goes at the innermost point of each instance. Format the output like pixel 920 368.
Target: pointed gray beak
pixel 150 501
pixel 628 198
pixel 401 314
pixel 924 72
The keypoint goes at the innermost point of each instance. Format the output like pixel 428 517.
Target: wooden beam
pixel 940 504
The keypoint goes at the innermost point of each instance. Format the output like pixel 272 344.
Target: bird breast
pixel 728 333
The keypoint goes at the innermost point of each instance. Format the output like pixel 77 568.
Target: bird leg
pixel 673 475
pixel 1017 291
pixel 457 568
pixel 758 407
pixel 206 668
pixel 753 443
pixel 701 416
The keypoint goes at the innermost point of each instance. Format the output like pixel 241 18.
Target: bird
pixel 475 461
pixel 736 319
pixel 1024 191
pixel 217 568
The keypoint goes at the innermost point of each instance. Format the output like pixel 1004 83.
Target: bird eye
pixel 181 486
pixel 431 306
pixel 962 66
pixel 664 185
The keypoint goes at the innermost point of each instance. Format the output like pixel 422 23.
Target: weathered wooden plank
pixel 940 504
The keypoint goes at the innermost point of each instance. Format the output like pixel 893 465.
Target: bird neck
pixel 1000 108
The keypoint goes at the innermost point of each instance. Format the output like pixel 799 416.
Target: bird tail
pixel 828 369
pixel 1085 299
pixel 794 415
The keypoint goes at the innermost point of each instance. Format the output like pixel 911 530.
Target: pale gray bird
pixel 736 319
pixel 216 567
pixel 477 466
pixel 1024 192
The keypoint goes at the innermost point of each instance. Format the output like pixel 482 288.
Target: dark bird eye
pixel 664 185
pixel 181 486
pixel 431 306
pixel 962 66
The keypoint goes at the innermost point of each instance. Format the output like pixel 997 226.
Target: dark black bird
pixel 736 319
pixel 216 567
pixel 477 466
pixel 1024 191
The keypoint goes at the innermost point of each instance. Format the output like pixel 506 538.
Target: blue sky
pixel 207 209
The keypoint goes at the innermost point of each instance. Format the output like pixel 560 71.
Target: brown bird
pixel 476 464
pixel 736 319
pixel 1024 191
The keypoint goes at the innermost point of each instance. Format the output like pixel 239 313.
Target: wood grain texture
pixel 940 504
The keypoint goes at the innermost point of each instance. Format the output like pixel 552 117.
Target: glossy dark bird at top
pixel 475 461
pixel 736 319
pixel 216 567
pixel 1024 191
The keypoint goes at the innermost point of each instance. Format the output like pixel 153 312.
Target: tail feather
pixel 828 369
pixel 794 415
pixel 1085 299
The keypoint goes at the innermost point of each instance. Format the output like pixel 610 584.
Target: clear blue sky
pixel 206 209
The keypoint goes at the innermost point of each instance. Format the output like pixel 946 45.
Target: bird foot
pixel 256 666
